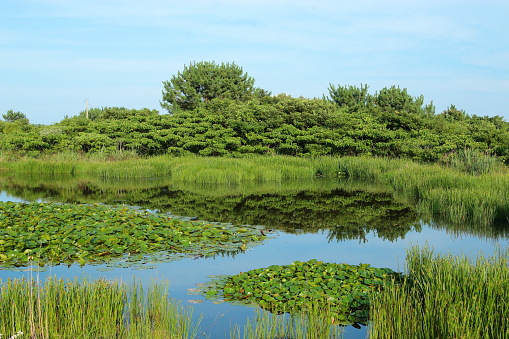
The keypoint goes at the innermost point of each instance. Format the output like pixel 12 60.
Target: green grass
pixel 313 322
pixel 472 161
pixel 452 196
pixel 455 192
pixel 189 168
pixel 59 308
pixel 445 296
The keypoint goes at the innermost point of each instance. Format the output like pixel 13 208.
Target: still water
pixel 348 226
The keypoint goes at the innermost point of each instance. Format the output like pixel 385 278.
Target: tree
pixel 397 99
pixel 203 81
pixel 11 116
pixel 453 113
pixel 351 97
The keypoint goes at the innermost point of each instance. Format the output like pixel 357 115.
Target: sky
pixel 56 54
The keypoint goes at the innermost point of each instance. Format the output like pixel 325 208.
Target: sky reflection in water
pixel 280 250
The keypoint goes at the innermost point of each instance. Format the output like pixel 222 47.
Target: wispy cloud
pixel 289 46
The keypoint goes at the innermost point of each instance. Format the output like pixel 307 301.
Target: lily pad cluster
pixel 344 290
pixel 49 233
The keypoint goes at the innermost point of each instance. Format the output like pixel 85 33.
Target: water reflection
pixel 346 210
pixel 328 220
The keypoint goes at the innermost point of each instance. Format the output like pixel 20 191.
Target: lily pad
pixel 49 234
pixel 343 289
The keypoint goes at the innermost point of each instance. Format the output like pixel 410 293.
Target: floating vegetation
pixel 469 188
pixel 344 290
pixel 48 233
pixel 345 209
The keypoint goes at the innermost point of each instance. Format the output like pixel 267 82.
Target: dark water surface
pixel 328 221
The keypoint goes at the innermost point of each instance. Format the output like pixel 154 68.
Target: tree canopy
pixel 11 116
pixel 216 111
pixel 200 82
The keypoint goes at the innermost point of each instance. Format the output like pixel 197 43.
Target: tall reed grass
pixel 59 308
pixel 314 322
pixel 472 161
pixel 454 195
pixel 214 169
pixel 189 168
pixel 445 296
pixel 371 168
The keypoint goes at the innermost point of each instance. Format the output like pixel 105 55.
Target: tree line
pixel 215 110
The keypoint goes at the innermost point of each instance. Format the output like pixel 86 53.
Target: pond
pixel 336 221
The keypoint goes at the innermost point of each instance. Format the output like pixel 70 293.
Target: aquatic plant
pixel 14 336
pixel 58 308
pixel 445 296
pixel 313 321
pixel 343 289
pixel 47 233
pixel 449 193
pixel 186 168
pixel 454 197
pixel 472 161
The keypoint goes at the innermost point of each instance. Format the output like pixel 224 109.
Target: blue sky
pixel 54 54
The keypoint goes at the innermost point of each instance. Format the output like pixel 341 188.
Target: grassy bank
pixel 446 297
pixel 61 308
pixel 453 195
pixel 189 169
pixel 454 192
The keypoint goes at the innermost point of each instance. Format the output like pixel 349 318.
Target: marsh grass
pixel 370 169
pixel 59 308
pixel 213 169
pixel 472 161
pixel 449 192
pixel 255 169
pixel 313 322
pixel 445 296
pixel 189 169
pixel 455 197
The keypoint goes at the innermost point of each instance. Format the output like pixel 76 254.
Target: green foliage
pixel 471 161
pixel 93 113
pixel 453 113
pixel 350 97
pixel 116 113
pixel 53 233
pixel 12 116
pixel 344 289
pixel 445 296
pixel 312 322
pixel 88 142
pixel 203 81
pixel 395 99
pixel 58 308
pixel 391 99
pixel 243 121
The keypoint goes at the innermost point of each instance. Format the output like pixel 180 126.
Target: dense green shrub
pixel 390 123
